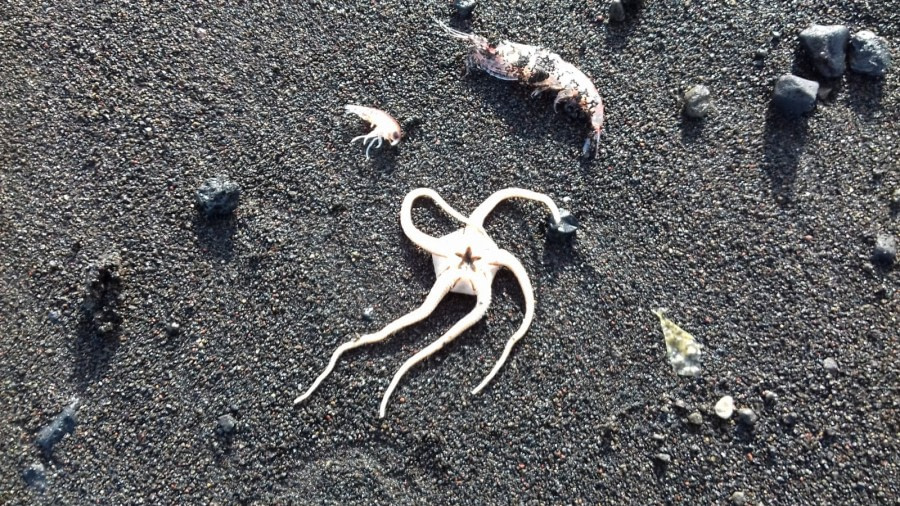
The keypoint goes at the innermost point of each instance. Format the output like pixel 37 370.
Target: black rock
pixel 885 250
pixel 697 101
pixel 827 46
pixel 747 416
pixel 869 54
pixel 465 7
pixel 218 196
pixel 173 328
pixel 63 424
pixel 794 95
pixel 565 229
pixel 227 424
pixel 35 477
pixel 616 11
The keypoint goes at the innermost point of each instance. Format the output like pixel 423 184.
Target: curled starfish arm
pixel 443 285
pixel 483 289
pixel 506 259
pixel 428 243
pixel 483 210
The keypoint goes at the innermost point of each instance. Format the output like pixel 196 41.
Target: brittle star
pixel 465 261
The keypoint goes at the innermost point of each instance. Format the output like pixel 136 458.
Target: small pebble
pixel 565 229
pixel 789 418
pixel 826 45
pixel 368 313
pixel 695 418
pixel 218 196
pixel 830 364
pixel 885 250
pixel 747 417
pixel 725 407
pixel 35 476
pixel 173 328
pixel 770 397
pixel 794 95
pixel 738 498
pixel 465 7
pixel 761 54
pixel 869 54
pixel 53 316
pixel 697 102
pixel 616 11
pixel 663 458
pixel 227 424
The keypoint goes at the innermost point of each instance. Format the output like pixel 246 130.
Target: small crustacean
pixel 538 67
pixel 384 126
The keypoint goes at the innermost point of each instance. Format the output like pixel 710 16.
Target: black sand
pixel 754 231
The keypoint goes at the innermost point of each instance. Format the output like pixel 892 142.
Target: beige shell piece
pixel 681 348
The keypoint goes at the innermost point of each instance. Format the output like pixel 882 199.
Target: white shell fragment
pixel 682 350
pixel 725 407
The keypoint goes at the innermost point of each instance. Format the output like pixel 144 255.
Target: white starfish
pixel 465 261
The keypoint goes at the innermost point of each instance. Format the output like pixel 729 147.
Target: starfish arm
pixel 483 289
pixel 441 286
pixel 428 243
pixel 481 212
pixel 506 259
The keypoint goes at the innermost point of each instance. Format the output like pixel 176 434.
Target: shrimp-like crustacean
pixel 537 67
pixel 384 126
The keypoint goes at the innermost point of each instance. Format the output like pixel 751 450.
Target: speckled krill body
pixel 537 67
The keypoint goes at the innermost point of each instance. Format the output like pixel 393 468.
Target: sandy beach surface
pixel 165 349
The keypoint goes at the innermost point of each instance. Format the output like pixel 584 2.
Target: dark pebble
pixel 663 459
pixel 885 250
pixel 616 11
pixel 747 416
pixel 761 54
pixel 565 229
pixel 227 424
pixel 63 424
pixel 869 54
pixel 35 477
pixel 827 46
pixel 173 328
pixel 770 397
pixel 218 196
pixel 794 95
pixel 368 314
pixel 465 7
pixel 789 419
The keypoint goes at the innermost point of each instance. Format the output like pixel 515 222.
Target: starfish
pixel 465 261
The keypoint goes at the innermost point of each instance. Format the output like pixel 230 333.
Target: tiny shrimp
pixel 538 67
pixel 384 126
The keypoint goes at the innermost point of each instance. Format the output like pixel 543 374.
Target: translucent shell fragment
pixel 682 350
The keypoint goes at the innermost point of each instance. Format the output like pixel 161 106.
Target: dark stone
pixel 173 328
pixel 747 417
pixel 218 196
pixel 465 7
pixel 827 46
pixel 869 54
pixel 227 425
pixel 63 424
pixel 616 11
pixel 565 229
pixel 794 95
pixel 885 250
